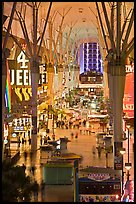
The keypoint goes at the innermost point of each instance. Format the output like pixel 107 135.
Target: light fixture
pixel 122 151
pixel 128 126
pixel 128 166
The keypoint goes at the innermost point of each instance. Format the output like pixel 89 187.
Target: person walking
pixel 42 190
pixel 72 135
pixel 35 191
pixel 33 168
pixel 25 155
pixel 24 167
pixel 31 156
pixel 45 139
pixel 41 140
pixel 76 136
pixel 93 150
pixel 29 140
pixel 22 140
pixel 99 151
pixel 19 141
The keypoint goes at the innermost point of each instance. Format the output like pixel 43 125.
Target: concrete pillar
pixel 72 73
pixel 110 85
pixel 105 80
pixel 34 81
pixel 117 77
pixel 67 76
pixel 50 91
pixel 76 74
pixel 60 79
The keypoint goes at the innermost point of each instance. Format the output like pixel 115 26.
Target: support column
pixel 67 76
pixel 50 92
pixel 105 80
pixel 110 85
pixel 76 75
pixel 34 81
pixel 117 77
pixel 72 74
pixel 60 79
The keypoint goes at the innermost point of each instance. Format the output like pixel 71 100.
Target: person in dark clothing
pixel 84 123
pixel 43 190
pixel 25 141
pixel 35 190
pixel 41 140
pixel 70 124
pixel 33 170
pixel 76 136
pixel 22 140
pixel 93 150
pixel 25 155
pixel 72 135
pixel 31 156
pixel 45 140
pixel 49 138
pixel 29 141
pixel 62 124
pixel 24 167
pixel 99 151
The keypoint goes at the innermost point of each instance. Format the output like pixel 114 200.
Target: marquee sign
pixel 98 176
pixel 130 68
pixel 20 73
pixel 128 101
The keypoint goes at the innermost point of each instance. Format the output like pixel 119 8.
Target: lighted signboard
pixel 20 74
pixel 5 130
pixel 19 129
pixel 128 101
pixel 98 176
pixel 98 198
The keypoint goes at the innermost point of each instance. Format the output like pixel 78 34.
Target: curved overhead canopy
pixel 80 17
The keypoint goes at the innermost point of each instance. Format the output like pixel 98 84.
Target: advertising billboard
pixel 128 101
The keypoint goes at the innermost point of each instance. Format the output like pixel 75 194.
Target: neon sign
pixel 20 73
pixel 130 68
pixel 99 176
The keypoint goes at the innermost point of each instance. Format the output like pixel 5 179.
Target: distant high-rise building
pixel 90 58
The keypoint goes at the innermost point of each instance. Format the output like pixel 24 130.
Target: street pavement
pixel 81 146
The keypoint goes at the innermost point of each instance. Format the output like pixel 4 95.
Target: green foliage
pixel 15 183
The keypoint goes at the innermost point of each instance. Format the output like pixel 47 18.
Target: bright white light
pixel 128 166
pixel 58 141
pixel 58 147
pixel 117 196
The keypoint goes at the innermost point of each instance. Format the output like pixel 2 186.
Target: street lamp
pixel 122 151
pixel 128 167
pixel 128 126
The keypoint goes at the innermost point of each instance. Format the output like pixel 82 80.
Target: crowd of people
pixel 70 124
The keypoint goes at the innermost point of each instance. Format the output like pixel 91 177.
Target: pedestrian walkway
pixel 82 146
